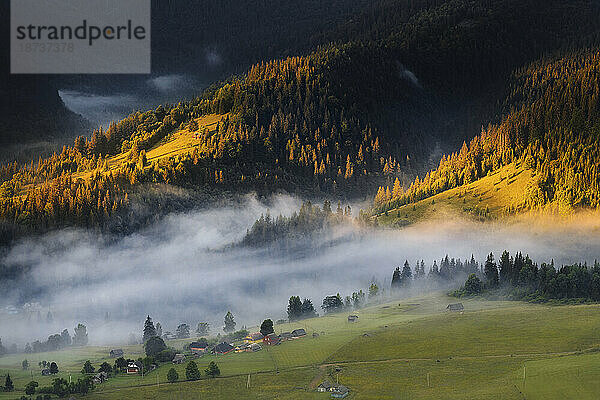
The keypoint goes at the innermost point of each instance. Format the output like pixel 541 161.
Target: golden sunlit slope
pixel 487 198
pixel 180 142
pixel 542 156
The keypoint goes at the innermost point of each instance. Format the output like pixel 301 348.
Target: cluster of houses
pixel 337 391
pixel 133 367
pixel 273 339
pixel 252 343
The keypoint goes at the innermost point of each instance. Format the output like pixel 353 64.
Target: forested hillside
pixel 308 222
pixel 340 120
pixel 552 127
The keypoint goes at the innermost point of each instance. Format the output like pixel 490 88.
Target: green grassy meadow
pixel 388 354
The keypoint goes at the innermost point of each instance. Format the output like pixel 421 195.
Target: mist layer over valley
pixel 188 268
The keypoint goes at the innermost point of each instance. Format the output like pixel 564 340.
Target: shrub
pixel 172 375
pixel 191 372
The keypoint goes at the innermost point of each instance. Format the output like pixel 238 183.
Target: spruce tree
pixel 149 330
pixel 505 265
pixel 491 271
pixel 212 370
pixel 172 375
pixel 266 328
pixel 191 371
pixel 396 278
pixel 406 273
pixel 308 310
pixel 294 309
pixel 229 323
pixel 8 384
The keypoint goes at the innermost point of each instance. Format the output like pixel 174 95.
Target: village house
pixel 254 347
pixel 198 348
pixel 242 348
pixel 271 339
pixel 133 368
pixel 116 353
pixel 254 338
pixel 324 387
pixel 286 336
pixel 455 307
pixel 223 348
pixel 352 318
pixel 339 391
pixel 178 359
pixel 297 333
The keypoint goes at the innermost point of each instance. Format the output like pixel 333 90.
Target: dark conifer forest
pixel 366 102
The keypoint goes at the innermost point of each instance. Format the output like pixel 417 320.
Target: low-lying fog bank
pixel 182 269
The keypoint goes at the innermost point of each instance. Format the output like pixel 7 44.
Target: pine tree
pixel 396 278
pixel 149 330
pixel 202 329
pixel 294 309
pixel 406 273
pixel 373 290
pixel 229 323
pixel 473 285
pixel 81 337
pixel 266 328
pixel 88 368
pixel 191 371
pixel 505 265
pixel 308 310
pixel 8 384
pixel 172 375
pixel 491 271
pixel 397 190
pixel 212 370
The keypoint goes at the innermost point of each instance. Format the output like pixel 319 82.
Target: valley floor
pixel 410 349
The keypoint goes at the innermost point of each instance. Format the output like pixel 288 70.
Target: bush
pixel 53 368
pixel 88 368
pixel 105 367
pixel 30 388
pixel 172 375
pixel 212 370
pixel 165 355
pixel 191 372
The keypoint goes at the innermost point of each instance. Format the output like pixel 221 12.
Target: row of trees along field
pixel 519 277
pixel 54 342
pixel 553 129
pixel 449 270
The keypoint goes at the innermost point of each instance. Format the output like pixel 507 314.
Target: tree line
pixel 54 342
pixel 308 221
pixel 520 277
